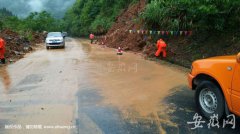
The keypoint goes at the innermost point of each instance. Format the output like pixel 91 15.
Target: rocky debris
pixel 182 50
pixel 118 35
pixel 18 45
pixel 38 37
pixel 149 50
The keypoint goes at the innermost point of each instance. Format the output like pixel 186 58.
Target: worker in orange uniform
pixel 2 51
pixel 91 36
pixel 162 48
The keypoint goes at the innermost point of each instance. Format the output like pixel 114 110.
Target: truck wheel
pixel 209 100
pixel 47 47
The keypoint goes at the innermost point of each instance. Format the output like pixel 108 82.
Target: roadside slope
pixel 118 35
pixel 17 45
pixel 181 49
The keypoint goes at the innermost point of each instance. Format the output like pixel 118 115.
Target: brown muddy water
pixel 88 89
pixel 135 86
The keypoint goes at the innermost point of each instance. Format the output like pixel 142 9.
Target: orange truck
pixel 217 84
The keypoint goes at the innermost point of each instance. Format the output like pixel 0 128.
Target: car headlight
pixel 47 41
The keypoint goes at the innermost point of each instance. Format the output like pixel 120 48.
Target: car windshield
pixel 54 34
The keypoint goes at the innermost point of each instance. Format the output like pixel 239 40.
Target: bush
pixel 216 15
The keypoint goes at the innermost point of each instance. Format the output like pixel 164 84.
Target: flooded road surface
pixel 90 90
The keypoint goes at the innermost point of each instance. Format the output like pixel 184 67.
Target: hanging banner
pixel 154 32
pixel 190 33
pixel 146 32
pixel 167 33
pixel 150 31
pixel 176 33
pixel 163 32
pixel 181 33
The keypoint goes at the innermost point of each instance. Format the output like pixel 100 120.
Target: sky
pixel 22 8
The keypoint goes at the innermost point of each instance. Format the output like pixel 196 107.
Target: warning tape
pixel 150 32
pixel 160 32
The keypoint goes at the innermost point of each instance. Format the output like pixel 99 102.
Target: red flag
pixel 190 33
pixel 163 32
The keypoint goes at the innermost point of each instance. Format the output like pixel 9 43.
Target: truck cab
pixel 216 81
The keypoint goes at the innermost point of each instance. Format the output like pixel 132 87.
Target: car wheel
pixel 47 47
pixel 209 100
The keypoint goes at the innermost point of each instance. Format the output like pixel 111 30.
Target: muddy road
pixel 89 90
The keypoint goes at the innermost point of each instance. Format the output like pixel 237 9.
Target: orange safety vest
pixel 161 45
pixel 2 48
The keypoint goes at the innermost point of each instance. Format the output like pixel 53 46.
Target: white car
pixel 55 39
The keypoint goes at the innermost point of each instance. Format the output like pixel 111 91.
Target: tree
pixel 93 15
pixel 208 15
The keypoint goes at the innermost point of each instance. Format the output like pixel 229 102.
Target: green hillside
pixel 93 15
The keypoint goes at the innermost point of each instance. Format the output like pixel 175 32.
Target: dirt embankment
pixel 181 49
pixel 118 35
pixel 18 45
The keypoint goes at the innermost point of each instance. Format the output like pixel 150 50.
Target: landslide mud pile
pixel 118 35
pixel 17 45
pixel 182 50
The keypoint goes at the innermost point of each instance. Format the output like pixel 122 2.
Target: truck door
pixel 236 90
